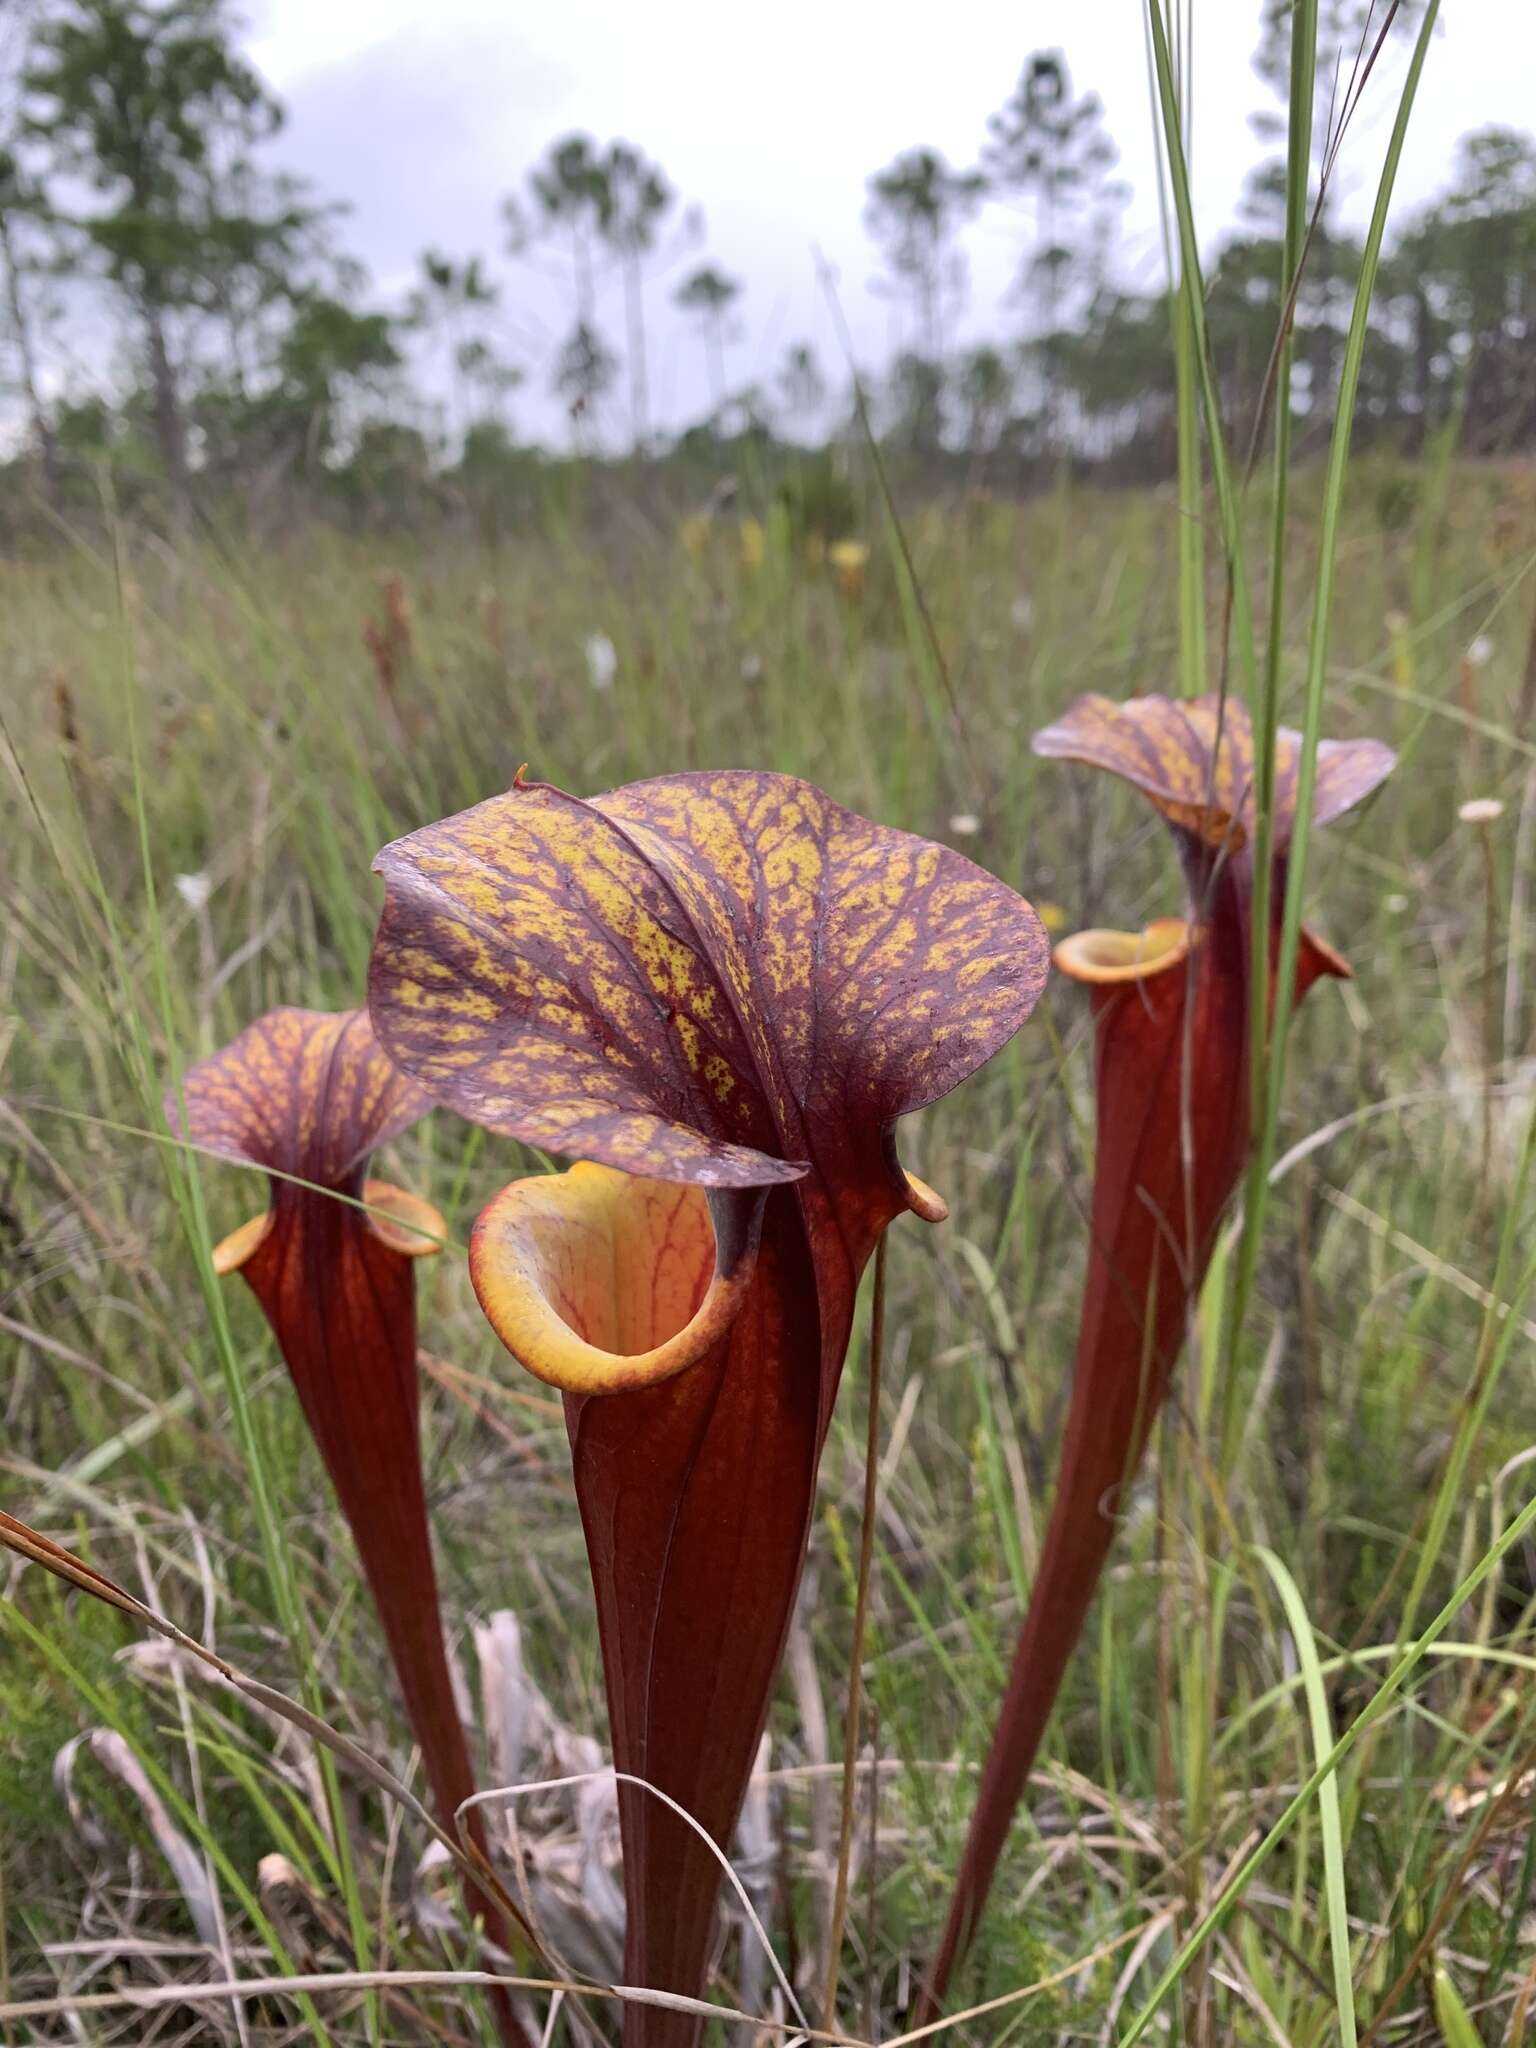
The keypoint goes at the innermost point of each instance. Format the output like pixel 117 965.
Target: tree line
pixel 138 200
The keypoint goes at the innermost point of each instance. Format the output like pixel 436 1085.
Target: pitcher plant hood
pixel 1193 759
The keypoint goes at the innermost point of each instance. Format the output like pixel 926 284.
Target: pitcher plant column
pixel 718 992
pixel 1172 1053
pixel 308 1095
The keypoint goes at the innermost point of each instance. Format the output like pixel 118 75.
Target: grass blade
pixel 1327 1792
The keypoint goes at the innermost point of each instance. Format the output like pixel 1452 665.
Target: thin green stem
pixel 1267 711
pixel 1192 289
pixel 1257 1202
pixel 856 1650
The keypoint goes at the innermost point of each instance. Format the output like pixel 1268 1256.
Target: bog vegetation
pixel 1115 1619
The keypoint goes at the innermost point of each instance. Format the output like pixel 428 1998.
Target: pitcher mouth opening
pixel 602 1282
pixel 1105 958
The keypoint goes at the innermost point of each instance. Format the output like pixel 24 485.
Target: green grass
pixel 198 710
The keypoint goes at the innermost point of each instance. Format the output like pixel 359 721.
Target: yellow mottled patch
pixel 975 971
pixel 689 1038
pixel 668 964
pixel 792 862
pixel 896 947
pixel 421 962
pixel 479 892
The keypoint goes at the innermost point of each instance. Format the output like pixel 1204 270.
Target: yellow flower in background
pixel 848 559
pixel 1052 916
pixel 694 535
pixel 753 544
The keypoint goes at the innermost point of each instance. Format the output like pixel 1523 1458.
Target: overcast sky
pixel 423 117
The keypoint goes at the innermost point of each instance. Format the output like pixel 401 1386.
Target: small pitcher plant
pixel 1173 1032
pixel 308 1095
